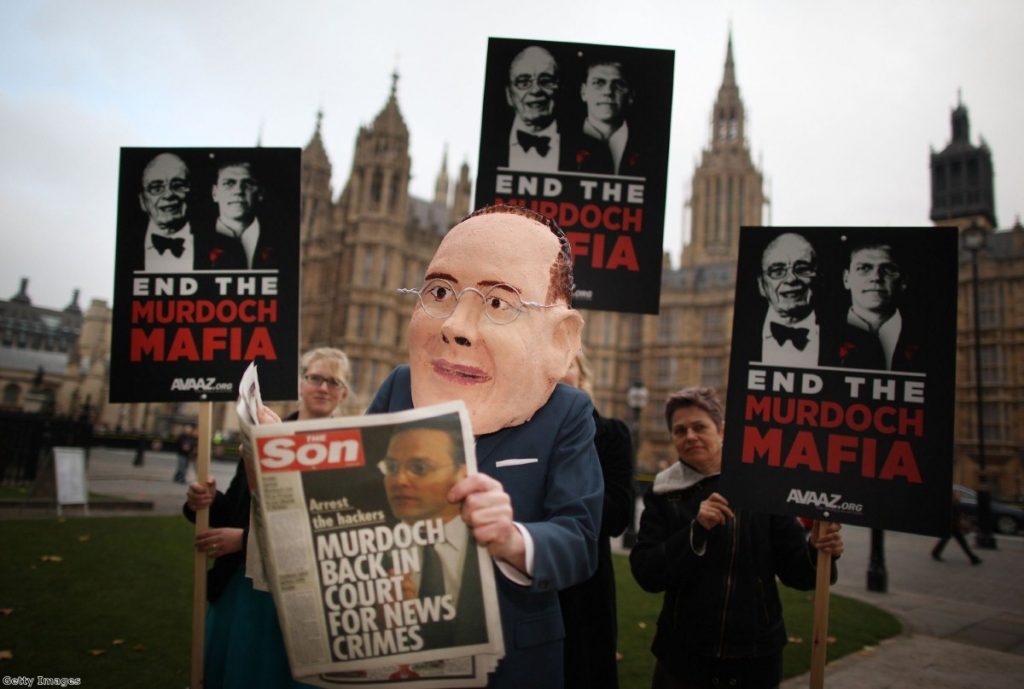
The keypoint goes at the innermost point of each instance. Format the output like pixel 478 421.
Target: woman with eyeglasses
pixel 244 647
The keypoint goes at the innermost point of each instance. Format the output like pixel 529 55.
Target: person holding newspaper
pixel 244 647
pixel 721 621
pixel 494 327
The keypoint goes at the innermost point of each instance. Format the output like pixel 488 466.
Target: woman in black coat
pixel 721 621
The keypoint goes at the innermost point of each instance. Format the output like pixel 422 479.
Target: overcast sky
pixel 844 99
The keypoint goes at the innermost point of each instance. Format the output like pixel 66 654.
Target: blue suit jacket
pixel 558 499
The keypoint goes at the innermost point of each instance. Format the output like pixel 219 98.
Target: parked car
pixel 1006 518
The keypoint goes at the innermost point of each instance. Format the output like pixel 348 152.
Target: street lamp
pixel 878 575
pixel 636 399
pixel 974 241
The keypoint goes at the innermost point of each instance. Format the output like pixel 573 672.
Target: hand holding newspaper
pixel 376 583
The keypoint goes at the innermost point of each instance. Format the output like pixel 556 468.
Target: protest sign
pixel 580 133
pixel 207 273
pixel 840 402
pixel 375 577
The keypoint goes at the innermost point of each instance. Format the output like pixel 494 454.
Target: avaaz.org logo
pixel 832 501
pixel 200 385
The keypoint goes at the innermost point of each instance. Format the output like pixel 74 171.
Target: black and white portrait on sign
pixel 876 333
pixel 238 240
pixel 535 142
pixel 168 244
pixel 606 144
pixel 790 331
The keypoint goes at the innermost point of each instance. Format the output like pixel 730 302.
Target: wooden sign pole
pixel 200 562
pixel 819 643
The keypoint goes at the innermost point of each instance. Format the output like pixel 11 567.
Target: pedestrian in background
pixel 187 449
pixel 956 520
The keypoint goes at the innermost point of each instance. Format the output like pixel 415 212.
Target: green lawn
pixel 121 590
pixel 114 609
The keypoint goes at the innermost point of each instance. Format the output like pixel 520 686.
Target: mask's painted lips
pixel 457 373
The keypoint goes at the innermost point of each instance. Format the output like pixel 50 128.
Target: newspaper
pixel 368 594
pixel 249 402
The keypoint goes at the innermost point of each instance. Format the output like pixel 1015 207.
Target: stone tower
pixel 441 185
pixel 728 189
pixel 962 187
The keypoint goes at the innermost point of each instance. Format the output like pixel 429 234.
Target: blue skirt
pixel 244 648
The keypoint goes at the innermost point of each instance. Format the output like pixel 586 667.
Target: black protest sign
pixel 840 401
pixel 580 133
pixel 207 273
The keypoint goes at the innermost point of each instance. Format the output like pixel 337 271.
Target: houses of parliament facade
pixel 360 246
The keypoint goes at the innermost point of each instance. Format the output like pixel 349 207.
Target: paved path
pixel 111 472
pixel 963 625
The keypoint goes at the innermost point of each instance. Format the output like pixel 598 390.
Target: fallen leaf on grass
pixel 642 625
pixel 831 640
pixel 796 639
pixel 6 611
pixel 867 651
pixel 6 655
pixel 96 651
pixel 117 642
pixel 85 537
pixel 51 558
pixel 619 657
pixel 138 648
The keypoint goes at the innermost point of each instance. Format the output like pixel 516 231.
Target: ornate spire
pixel 73 307
pixel 315 153
pixel 727 116
pixel 729 78
pixel 441 185
pixel 389 120
pixel 22 296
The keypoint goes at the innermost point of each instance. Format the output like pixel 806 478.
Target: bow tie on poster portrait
pixel 176 245
pixel 782 333
pixel 528 141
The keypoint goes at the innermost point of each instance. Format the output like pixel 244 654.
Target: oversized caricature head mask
pixel 493 326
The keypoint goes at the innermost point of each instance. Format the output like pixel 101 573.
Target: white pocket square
pixel 515 462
